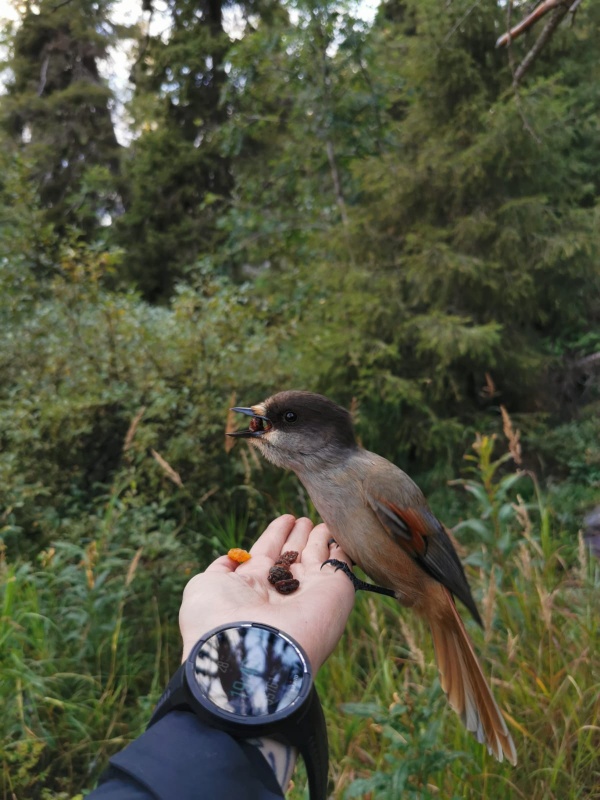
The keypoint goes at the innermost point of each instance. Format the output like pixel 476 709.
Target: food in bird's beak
pixel 260 425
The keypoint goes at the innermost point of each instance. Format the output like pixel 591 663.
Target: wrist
pixel 254 682
pixel 279 756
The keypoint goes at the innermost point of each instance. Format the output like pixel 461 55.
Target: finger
pixel 222 564
pixel 271 542
pixel 319 550
pixel 298 537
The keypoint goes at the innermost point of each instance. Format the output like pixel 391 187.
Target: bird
pixel 380 518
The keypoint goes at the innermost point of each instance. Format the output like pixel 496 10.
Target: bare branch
pixel 511 63
pixel 60 5
pixel 530 20
pixel 457 25
pixel 43 74
pixel 543 39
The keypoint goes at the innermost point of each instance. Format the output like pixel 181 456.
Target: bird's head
pixel 299 430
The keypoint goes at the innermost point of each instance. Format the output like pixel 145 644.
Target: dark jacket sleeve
pixel 181 758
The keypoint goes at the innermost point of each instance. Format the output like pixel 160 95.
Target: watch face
pixel 249 670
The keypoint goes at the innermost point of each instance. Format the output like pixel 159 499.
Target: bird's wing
pixel 424 538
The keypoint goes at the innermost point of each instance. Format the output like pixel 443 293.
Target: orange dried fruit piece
pixel 239 555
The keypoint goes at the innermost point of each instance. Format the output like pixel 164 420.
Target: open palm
pixel 314 615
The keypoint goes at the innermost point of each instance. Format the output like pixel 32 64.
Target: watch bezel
pixel 239 722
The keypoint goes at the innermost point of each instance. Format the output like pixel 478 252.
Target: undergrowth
pixel 88 638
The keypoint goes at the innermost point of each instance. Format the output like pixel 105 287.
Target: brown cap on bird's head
pixel 292 424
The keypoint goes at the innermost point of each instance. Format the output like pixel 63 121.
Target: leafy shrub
pixel 80 365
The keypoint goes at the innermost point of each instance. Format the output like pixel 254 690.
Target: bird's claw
pixel 335 562
pixel 356 582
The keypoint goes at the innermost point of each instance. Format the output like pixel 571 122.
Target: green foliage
pixel 476 219
pixel 178 179
pixel 493 493
pixel 79 366
pixel 367 210
pixel 82 651
pixel 438 214
pixel 58 112
pixel 27 240
pixel 573 450
pixel 410 737
pixel 536 586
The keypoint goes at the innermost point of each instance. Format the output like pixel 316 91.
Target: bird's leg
pixel 356 582
pixel 331 542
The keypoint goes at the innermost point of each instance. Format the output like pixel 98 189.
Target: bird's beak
pixel 259 424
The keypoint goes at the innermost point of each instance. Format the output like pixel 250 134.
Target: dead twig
pixel 558 10
pixel 529 20
pixel 511 63
pixel 133 428
pixel 557 17
pixel 231 424
pixel 167 468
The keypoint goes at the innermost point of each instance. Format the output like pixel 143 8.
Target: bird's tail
pixel 464 683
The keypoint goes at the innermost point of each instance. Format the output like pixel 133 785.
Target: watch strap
pixel 310 738
pixel 175 696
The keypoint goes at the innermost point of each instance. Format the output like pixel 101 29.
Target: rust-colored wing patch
pixel 420 534
pixel 407 525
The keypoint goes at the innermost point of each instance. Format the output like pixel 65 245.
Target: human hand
pixel 314 615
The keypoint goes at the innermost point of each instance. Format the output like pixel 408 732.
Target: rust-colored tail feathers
pixel 465 685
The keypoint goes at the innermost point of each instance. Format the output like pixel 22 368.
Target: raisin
pixel 287 586
pixel 287 558
pixel 277 574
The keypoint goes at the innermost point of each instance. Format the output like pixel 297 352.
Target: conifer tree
pixel 470 246
pixel 179 180
pixel 302 104
pixel 476 227
pixel 58 109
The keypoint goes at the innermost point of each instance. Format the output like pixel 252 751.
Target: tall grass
pixel 88 637
pixel 83 652
pixel 392 734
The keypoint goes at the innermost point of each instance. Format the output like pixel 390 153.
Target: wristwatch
pixel 252 680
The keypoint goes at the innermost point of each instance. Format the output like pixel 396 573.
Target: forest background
pixel 299 198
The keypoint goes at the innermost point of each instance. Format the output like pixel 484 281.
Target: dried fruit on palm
pixel 239 555
pixel 288 586
pixel 280 575
pixel 277 574
pixel 288 557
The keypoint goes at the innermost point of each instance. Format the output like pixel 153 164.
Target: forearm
pixel 179 754
pixel 280 757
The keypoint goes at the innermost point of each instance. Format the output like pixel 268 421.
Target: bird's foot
pixel 331 543
pixel 356 582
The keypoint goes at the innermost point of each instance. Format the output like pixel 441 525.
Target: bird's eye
pixel 290 416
